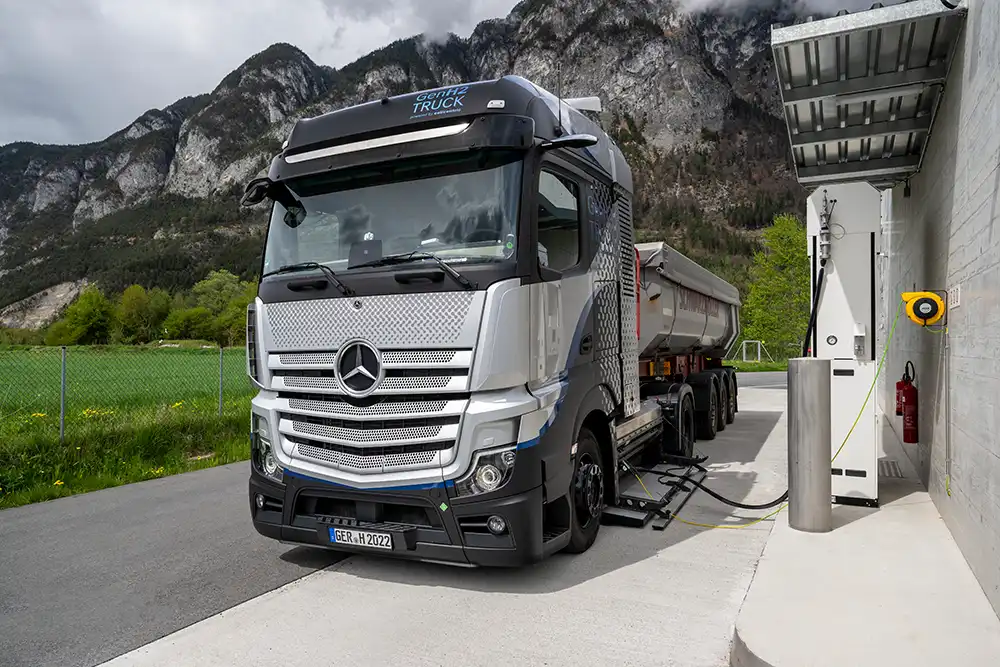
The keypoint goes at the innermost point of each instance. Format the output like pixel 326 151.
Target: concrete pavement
pixel 885 587
pixel 638 597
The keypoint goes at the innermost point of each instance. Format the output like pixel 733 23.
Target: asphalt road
pixel 89 577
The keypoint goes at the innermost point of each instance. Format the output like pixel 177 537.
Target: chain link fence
pixel 62 392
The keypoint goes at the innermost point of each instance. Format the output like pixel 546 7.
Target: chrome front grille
pixel 373 463
pixel 391 385
pixel 379 435
pixel 410 422
pixel 417 357
pixel 381 409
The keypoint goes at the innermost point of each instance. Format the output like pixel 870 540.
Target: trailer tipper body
pixel 457 344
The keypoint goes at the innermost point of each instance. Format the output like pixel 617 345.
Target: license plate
pixel 360 538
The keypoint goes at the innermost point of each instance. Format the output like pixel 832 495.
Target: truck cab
pixel 444 339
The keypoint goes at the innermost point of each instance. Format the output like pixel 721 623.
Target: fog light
pixel 260 501
pixel 488 478
pixel 497 525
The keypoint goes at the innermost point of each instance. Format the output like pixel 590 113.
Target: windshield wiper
pixel 419 254
pixel 307 266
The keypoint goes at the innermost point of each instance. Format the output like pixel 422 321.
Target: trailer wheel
pixel 735 395
pixel 708 420
pixel 722 408
pixel 727 396
pixel 731 403
pixel 586 493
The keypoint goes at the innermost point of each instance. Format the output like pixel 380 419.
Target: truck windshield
pixel 459 207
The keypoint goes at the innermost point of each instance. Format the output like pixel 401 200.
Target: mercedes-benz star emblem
pixel 359 368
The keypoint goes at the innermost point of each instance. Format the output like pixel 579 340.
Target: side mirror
pixel 294 216
pixel 571 141
pixel 255 192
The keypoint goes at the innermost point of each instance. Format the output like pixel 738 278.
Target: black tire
pixel 727 396
pixel 734 396
pixel 731 403
pixel 708 420
pixel 586 493
pixel 720 420
pixel 682 443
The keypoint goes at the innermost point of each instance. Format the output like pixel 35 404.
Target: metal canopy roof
pixel 861 91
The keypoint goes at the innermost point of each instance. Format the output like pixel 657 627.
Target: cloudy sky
pixel 75 71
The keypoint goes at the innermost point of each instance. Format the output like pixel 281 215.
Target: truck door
pixel 563 334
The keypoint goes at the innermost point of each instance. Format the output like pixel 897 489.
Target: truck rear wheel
pixel 683 443
pixel 586 493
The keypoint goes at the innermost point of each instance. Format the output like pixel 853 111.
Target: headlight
pixel 263 454
pixel 491 469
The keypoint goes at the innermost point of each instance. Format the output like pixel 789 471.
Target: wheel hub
pixel 589 487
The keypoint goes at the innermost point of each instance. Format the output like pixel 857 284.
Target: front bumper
pixel 425 524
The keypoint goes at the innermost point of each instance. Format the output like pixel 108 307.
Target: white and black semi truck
pixel 457 344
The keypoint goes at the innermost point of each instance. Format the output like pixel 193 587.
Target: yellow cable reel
pixel 924 308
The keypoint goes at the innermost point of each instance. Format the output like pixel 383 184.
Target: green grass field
pixel 131 414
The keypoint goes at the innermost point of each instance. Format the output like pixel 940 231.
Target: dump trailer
pixel 458 347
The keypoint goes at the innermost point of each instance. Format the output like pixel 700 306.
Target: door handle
pixel 587 344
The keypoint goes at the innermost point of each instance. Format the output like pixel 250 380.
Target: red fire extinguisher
pixel 908 398
pixel 905 380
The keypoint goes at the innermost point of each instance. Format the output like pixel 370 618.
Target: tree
pixel 777 308
pixel 217 291
pixel 88 321
pixel 160 304
pixel 230 325
pixel 134 315
pixel 191 323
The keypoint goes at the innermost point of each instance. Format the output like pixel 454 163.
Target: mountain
pixel 693 103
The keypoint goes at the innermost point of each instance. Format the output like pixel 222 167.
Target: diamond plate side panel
pixel 428 320
pixel 610 370
pixel 606 262
pixel 630 344
pixel 605 318
pixel 607 402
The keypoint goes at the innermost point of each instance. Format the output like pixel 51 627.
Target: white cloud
pixel 74 71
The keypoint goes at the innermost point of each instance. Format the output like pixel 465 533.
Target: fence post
pixel 809 482
pixel 62 399
pixel 220 380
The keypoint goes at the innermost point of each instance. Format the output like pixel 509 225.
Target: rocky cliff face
pixel 693 96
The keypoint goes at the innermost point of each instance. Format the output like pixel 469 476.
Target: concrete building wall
pixel 946 234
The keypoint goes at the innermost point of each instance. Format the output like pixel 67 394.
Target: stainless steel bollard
pixel 810 506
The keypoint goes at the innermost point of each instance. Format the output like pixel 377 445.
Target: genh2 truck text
pixel 458 346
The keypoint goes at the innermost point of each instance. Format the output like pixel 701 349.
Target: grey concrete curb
pixel 740 654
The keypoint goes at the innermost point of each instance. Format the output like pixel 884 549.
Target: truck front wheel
pixel 586 493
